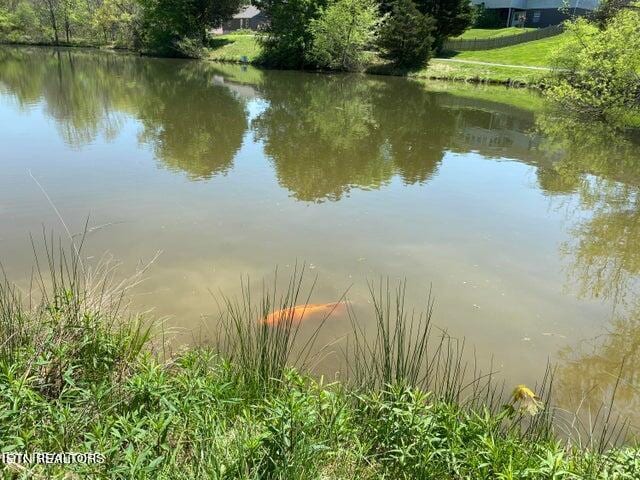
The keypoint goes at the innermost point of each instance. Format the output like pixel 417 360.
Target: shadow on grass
pixel 389 68
pixel 216 43
pixel 447 54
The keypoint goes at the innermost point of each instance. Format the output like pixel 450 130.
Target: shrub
pixel 597 70
pixel 400 426
pixel 342 32
pixel 114 20
pixel 406 36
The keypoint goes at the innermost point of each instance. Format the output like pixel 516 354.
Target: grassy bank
pixel 235 48
pixel 78 374
pixel 244 48
pixel 537 53
pixel 441 69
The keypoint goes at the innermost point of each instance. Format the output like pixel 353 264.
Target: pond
pixel 525 227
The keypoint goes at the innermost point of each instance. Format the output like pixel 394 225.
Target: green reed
pixel 79 373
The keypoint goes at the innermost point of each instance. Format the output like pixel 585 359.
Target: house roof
pixel 249 11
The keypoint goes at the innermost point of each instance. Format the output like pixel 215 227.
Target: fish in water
pixel 299 313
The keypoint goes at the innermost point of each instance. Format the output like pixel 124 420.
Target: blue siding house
pixel 538 13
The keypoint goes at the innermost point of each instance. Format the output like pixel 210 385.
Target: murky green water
pixel 526 227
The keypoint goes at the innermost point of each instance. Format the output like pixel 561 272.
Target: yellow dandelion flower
pixel 529 401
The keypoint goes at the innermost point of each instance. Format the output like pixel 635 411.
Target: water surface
pixel 527 228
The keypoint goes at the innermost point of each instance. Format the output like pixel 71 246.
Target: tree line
pixel 68 21
pixel 332 34
pixel 342 34
pixel 164 27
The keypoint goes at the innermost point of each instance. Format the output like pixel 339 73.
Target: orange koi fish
pixel 303 312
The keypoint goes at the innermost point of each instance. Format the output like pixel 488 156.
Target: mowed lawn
pixel 231 48
pixel 491 32
pixel 537 53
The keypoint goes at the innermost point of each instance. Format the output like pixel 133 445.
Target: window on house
pixel 536 16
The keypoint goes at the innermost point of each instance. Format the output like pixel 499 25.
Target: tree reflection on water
pixel 326 135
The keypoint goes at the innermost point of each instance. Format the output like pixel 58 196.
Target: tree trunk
pixel 347 43
pixel 54 23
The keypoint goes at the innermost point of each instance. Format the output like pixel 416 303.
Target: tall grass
pixel 79 373
pixel 12 321
pixel 404 350
pixel 263 351
pixel 407 350
pixel 70 322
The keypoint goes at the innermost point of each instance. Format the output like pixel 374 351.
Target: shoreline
pixel 476 75
pixel 244 406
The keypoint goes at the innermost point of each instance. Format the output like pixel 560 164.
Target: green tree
pixel 74 15
pixel 174 27
pixel 115 20
pixel 607 10
pixel 6 21
pixel 71 21
pixel 50 12
pixel 343 31
pixel 25 18
pixel 597 70
pixel 406 36
pixel 452 17
pixel 288 39
pixel 61 18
